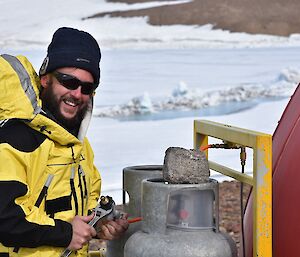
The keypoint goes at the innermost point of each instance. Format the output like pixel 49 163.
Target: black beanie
pixel 72 48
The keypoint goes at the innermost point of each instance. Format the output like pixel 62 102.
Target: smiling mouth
pixel 71 102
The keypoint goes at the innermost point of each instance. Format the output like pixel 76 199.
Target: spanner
pixel 104 209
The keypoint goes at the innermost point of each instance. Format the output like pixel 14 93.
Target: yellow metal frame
pixel 262 175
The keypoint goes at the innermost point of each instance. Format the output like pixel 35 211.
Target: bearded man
pixel 48 182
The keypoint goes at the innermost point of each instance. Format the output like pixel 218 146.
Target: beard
pixel 52 104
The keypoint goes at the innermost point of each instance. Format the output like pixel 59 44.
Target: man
pixel 48 182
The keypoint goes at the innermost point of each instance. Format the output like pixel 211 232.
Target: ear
pixel 45 81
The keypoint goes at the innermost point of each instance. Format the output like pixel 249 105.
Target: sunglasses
pixel 72 83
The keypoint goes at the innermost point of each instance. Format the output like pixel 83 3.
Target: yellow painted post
pixel 200 140
pixel 262 175
pixel 262 233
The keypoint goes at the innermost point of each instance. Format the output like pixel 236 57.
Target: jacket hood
pixel 19 99
pixel 20 87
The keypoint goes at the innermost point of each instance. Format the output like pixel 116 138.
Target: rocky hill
pixel 277 17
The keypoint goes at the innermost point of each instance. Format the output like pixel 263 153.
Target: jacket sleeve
pixel 22 224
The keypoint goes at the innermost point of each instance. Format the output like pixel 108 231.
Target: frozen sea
pixel 155 81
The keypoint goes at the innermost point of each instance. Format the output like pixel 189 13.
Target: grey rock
pixel 185 166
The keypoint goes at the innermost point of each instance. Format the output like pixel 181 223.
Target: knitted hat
pixel 72 48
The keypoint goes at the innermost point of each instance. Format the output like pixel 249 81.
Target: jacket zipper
pixel 73 191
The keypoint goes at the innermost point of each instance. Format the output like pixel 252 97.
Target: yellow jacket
pixel 47 175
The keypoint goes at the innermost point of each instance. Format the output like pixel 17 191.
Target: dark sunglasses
pixel 72 83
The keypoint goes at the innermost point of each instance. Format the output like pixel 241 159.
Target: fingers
pixel 93 232
pixel 82 232
pixel 113 229
pixel 88 218
pixel 123 223
pixel 107 232
pixel 125 216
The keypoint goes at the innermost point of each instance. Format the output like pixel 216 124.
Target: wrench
pixel 104 210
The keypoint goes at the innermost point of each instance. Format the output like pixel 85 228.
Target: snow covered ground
pixel 156 80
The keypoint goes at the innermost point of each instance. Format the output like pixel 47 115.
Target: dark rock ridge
pixel 276 17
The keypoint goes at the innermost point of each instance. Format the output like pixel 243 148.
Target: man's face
pixel 68 106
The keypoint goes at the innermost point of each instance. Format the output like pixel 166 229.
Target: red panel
pixel 286 189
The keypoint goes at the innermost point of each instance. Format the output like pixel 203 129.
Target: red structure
pixel 286 186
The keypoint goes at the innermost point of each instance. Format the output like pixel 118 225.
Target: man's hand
pixel 112 229
pixel 82 232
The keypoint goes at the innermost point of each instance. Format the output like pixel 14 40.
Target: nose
pixel 76 92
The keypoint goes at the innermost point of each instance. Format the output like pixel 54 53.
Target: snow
pixel 156 80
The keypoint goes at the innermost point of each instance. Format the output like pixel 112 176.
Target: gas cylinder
pixel 179 220
pixel 132 186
